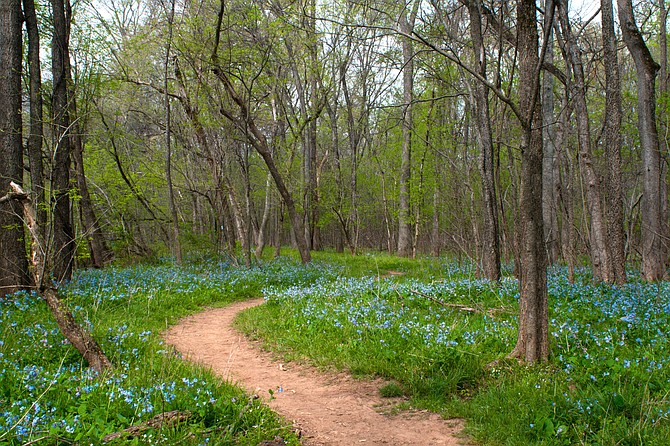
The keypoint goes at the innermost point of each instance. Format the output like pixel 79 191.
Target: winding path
pixel 328 409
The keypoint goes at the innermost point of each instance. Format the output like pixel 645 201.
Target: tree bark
pixel 245 122
pixel 63 233
pixel 490 255
pixel 35 138
pixel 533 337
pixel 598 233
pixel 549 173
pixel 615 218
pixel 13 265
pixel 406 25
pixel 653 257
pixel 175 237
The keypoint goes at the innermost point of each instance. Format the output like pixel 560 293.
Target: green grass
pixel 606 381
pixel 48 394
pixel 432 332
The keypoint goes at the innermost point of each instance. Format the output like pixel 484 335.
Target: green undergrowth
pixel 442 338
pixel 436 333
pixel 49 396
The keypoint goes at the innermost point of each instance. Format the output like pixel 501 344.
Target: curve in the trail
pixel 329 409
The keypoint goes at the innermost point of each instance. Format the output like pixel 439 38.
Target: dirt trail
pixel 329 409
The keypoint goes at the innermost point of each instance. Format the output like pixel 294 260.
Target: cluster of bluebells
pixel 46 388
pixel 604 337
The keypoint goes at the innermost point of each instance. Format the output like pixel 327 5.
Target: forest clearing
pixel 431 335
pixel 465 201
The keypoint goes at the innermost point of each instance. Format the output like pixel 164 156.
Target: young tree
pixel 13 265
pixel 406 26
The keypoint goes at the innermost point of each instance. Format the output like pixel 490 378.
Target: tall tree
pixel 35 138
pixel 615 228
pixel 63 232
pixel 489 239
pixel 13 262
pixel 533 336
pixel 653 257
pixel 406 26
pixel 176 245
pixel 598 230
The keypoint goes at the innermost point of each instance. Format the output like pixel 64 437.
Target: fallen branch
pixel 165 419
pixel 462 307
pixel 40 269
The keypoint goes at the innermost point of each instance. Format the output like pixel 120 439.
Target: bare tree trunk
pixel 176 244
pixel 598 229
pixel 663 123
pixel 615 229
pixel 63 233
pixel 533 337
pixel 549 173
pixel 100 253
pixel 13 265
pixel 261 241
pixel 653 257
pixel 490 254
pixel 406 25
pixel 36 137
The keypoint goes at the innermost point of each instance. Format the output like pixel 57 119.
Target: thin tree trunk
pixel 490 246
pixel 176 244
pixel 615 229
pixel 549 161
pixel 36 136
pixel 406 24
pixel 63 233
pixel 40 266
pixel 653 257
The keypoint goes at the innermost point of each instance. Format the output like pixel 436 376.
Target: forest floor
pixel 328 409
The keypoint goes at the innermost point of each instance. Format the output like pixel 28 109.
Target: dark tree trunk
pixel 533 337
pixel 615 229
pixel 36 135
pixel 63 233
pixel 653 257
pixel 13 262
pixel 490 236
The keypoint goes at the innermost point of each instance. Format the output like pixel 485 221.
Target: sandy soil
pixel 327 409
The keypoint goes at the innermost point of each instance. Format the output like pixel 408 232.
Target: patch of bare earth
pixel 328 409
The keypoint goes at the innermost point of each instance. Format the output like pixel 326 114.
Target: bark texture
pixel 63 232
pixel 653 257
pixel 13 265
pixel 490 261
pixel 533 337
pixel 615 217
pixel 598 229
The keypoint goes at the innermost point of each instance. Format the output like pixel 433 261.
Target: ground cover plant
pixel 441 338
pixel 47 394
